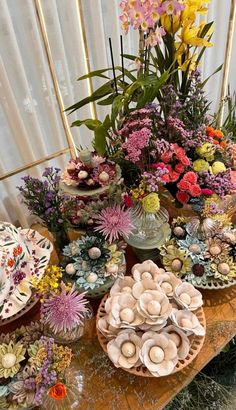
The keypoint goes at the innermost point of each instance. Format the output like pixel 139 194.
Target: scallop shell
pixel 205 229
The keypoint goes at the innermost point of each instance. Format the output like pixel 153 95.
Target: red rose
pixel 183 185
pixel 195 190
pixel 174 176
pixel 179 168
pixel 182 197
pixel 165 178
pixel 166 157
pixel 190 177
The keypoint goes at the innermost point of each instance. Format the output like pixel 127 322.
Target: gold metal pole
pixel 70 141
pixel 86 54
pixel 33 164
pixel 228 52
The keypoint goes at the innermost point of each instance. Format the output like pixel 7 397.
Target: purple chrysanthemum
pixel 64 311
pixel 114 221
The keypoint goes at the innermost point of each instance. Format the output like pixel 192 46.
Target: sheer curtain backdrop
pixel 30 121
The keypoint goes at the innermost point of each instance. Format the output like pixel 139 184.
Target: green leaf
pixel 107 122
pixel 100 140
pixel 90 123
pixel 96 73
pixel 216 71
pixel 131 57
pixel 107 101
pixel 116 106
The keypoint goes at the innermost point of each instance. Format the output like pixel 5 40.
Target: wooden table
pixel 103 387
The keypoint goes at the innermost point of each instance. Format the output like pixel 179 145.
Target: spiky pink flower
pixel 64 311
pixel 114 221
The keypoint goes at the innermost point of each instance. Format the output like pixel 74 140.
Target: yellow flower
pixel 190 36
pixel 217 167
pixel 200 165
pixel 151 203
pixel 10 357
pixel 207 151
pixel 171 24
pixel 50 281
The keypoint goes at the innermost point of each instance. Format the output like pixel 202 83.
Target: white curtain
pixel 30 121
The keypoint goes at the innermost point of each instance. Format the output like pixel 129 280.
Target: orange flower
pixel 210 131
pixel 223 144
pixel 58 391
pixel 218 134
pixel 10 262
pixel 215 142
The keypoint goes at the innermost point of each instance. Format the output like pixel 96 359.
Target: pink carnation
pixel 190 177
pixel 183 185
pixel 195 190
pixel 179 168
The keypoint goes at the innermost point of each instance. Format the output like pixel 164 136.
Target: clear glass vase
pixel 150 231
pixel 72 396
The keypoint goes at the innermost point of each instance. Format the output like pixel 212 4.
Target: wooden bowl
pixel 196 343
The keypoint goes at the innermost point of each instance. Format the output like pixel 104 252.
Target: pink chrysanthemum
pixel 114 221
pixel 64 311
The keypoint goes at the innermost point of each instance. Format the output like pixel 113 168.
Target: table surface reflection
pixel 103 387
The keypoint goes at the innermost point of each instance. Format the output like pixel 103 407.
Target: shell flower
pixel 10 357
pixel 122 285
pixel 187 296
pixel 177 261
pixel 168 282
pixel 146 270
pixel 154 307
pixel 224 269
pixel 180 339
pixel 123 311
pixel 216 249
pixel 143 285
pixel 196 249
pixel 158 353
pixel 188 322
pixel 124 349
pixel 107 330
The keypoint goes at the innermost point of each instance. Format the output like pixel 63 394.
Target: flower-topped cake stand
pixel 24 255
pixel 151 324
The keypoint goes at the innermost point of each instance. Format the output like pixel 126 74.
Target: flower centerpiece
pixel 32 366
pixel 150 321
pixel 63 310
pixel 43 199
pixel 24 255
pixel 202 251
pixel 93 263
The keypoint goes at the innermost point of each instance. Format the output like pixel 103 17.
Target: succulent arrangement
pixel 91 261
pixel 149 320
pixel 30 365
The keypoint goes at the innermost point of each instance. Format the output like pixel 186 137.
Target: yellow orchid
pixel 189 35
pixel 171 24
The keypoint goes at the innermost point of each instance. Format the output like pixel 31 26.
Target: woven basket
pixel 196 343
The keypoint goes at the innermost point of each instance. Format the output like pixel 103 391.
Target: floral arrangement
pixel 149 320
pixel 89 171
pixel 32 365
pixel 202 251
pixel 92 262
pixel 44 200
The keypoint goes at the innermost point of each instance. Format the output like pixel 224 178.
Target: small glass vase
pixel 149 233
pixel 61 239
pixel 67 337
pixel 74 389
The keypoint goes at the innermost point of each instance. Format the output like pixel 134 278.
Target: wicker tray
pixel 195 347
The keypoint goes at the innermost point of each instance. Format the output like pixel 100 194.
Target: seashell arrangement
pixel 202 252
pixel 150 320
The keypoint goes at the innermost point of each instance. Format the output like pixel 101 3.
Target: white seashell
pixel 146 275
pixel 127 289
pixel 70 269
pixel 176 338
pixel 156 354
pixel 127 315
pixel 166 287
pixel 192 226
pixel 154 307
pixel 94 252
pixel 113 269
pixel 209 227
pixel 104 176
pixel 186 323
pixel 82 174
pixel 128 349
pixel 184 297
pixel 223 268
pixel 92 277
pixel 8 360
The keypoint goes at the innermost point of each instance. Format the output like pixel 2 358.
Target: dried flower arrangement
pixel 32 365
pixel 149 320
